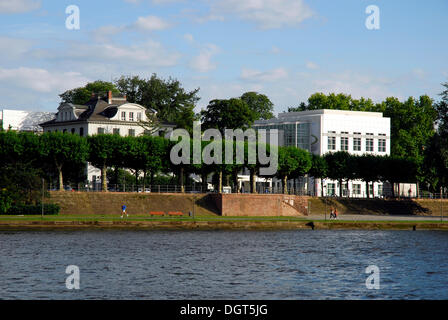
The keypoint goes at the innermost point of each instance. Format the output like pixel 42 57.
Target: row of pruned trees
pixel 63 156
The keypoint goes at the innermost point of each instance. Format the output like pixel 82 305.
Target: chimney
pixel 109 97
pixel 125 98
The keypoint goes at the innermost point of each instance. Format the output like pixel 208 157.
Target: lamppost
pixel 325 198
pixel 42 201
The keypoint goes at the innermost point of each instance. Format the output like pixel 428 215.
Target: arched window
pixel 81 132
pixel 73 130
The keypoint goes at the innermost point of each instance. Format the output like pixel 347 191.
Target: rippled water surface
pixel 320 264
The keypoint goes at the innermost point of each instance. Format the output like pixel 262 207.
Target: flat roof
pixel 331 111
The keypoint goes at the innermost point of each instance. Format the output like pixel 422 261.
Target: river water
pixel 305 264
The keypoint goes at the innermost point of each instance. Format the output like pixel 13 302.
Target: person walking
pixel 332 213
pixel 335 213
pixel 123 211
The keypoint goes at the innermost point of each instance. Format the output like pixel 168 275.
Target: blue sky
pixel 286 49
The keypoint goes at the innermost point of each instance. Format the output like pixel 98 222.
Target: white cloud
pixel 311 65
pixel 189 37
pixel 267 14
pixel 13 48
pixel 203 61
pixel 151 23
pixel 264 76
pixel 41 80
pixel 18 6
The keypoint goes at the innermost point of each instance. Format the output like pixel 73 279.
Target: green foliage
pixel 21 209
pixel 227 114
pixel 260 105
pixel 83 94
pixel 171 101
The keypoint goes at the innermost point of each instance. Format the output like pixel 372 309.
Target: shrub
pixel 22 209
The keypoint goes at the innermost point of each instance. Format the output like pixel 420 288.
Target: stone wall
pixel 268 205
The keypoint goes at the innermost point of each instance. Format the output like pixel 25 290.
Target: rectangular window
pixel 331 143
pixel 344 143
pixel 132 132
pixel 100 130
pixel 369 145
pixel 139 116
pixel 380 189
pixel 356 144
pixel 381 145
pixel 123 116
pixel 371 189
pixel 117 131
pixel 331 189
pixel 131 116
pixel 356 189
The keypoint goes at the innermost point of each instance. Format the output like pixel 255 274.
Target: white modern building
pixel 21 120
pixel 102 115
pixel 323 131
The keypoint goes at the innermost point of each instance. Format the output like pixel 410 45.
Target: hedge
pixel 49 209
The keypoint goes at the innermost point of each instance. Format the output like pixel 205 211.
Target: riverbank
pixel 221 223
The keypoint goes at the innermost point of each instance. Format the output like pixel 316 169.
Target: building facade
pixel 323 131
pixel 102 115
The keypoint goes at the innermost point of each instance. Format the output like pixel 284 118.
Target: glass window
pixel 81 132
pixel 369 145
pixel 123 116
pixel 380 189
pixel 131 116
pixel 344 143
pixel 139 116
pixel 132 132
pixel 116 131
pixel 331 189
pixel 382 145
pixel 356 189
pixel 331 143
pixel 356 144
pixel 100 130
pixel 73 130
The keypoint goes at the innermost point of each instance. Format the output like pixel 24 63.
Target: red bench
pixel 175 214
pixel 157 213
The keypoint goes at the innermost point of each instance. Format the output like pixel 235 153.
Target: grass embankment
pixel 205 223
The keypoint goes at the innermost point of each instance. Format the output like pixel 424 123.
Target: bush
pixel 5 202
pixel 22 209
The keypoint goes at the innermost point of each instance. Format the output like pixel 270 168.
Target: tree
pixel 61 149
pixel 319 169
pixel 105 151
pixel 83 94
pixel 168 98
pixel 227 114
pixel 367 169
pixel 260 105
pixel 339 167
pixel 290 161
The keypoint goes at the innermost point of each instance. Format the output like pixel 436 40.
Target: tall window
pixel 123 116
pixel 356 144
pixel 380 189
pixel 116 131
pixel 101 131
pixel 356 189
pixel 382 145
pixel 131 116
pixel 132 132
pixel 344 143
pixel 331 141
pixel 81 132
pixel 139 116
pixel 369 144
pixel 331 189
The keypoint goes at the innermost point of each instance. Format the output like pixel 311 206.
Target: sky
pixel 286 49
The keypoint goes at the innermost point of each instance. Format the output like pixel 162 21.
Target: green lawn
pixel 201 218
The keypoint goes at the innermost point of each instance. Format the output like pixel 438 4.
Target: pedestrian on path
pixel 123 211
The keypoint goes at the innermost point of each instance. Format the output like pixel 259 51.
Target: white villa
pixel 101 115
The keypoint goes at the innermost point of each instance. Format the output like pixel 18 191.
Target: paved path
pixel 356 217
